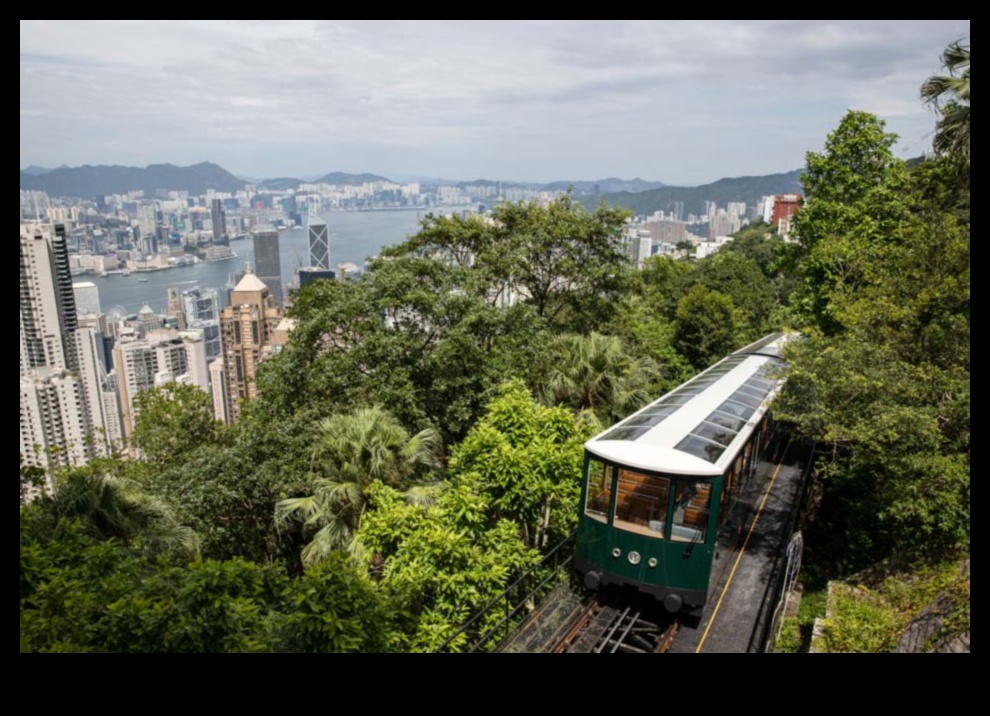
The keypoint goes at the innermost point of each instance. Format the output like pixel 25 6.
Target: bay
pixel 354 237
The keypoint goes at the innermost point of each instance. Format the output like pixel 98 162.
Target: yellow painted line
pixel 725 589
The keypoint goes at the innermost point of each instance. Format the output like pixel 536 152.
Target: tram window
pixel 599 490
pixel 692 501
pixel 641 503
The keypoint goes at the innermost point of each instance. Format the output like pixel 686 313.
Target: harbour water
pixel 354 236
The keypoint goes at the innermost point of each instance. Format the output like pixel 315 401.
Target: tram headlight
pixel 634 557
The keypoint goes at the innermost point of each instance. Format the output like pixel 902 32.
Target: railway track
pixel 601 627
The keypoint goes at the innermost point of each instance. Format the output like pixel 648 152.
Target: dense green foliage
pixel 883 379
pixel 418 443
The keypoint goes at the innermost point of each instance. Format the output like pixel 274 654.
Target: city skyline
pixel 682 103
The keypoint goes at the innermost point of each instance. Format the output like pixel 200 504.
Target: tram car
pixel 667 490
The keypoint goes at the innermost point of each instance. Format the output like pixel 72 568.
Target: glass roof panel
pixel 643 420
pixel 714 433
pixel 738 409
pixel 745 399
pixel 751 392
pixel 700 447
pixel 726 421
pixel 623 433
pixel 660 410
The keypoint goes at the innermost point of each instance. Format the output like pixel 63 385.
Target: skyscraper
pixel 319 243
pixel 48 304
pixel 66 415
pixel 218 218
pixel 268 264
pixel 201 307
pixel 247 326
pixel 174 309
pixel 87 297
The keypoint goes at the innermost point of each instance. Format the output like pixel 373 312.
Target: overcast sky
pixel 680 102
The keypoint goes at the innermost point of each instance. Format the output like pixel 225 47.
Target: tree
pixel 33 481
pixel 525 459
pixel 354 451
pixel 853 213
pixel 883 379
pixel 114 507
pixel 562 259
pixel 596 373
pixel 949 96
pixel 705 326
pixel 414 334
pixel 172 421
pixel 740 278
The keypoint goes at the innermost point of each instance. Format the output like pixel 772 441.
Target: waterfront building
pixel 218 218
pixel 87 297
pixel 268 264
pixel 319 243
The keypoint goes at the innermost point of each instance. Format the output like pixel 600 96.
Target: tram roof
pixel 699 427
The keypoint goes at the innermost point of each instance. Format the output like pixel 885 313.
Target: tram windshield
pixel 599 490
pixel 641 503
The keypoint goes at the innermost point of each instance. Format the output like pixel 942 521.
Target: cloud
pixel 527 100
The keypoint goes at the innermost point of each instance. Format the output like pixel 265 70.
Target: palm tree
pixel 595 373
pixel 119 509
pixel 356 450
pixel 949 95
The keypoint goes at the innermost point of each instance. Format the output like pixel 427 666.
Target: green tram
pixel 662 487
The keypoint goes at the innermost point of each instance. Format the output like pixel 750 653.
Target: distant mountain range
pixel 604 186
pixel 35 170
pixel 747 189
pixel 88 181
pixel 640 195
pixel 283 183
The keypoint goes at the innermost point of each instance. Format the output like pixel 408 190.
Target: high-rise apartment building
pixel 247 328
pixel 87 296
pixel 218 217
pixel 147 217
pixel 218 388
pixel 48 304
pixel 160 357
pixel 66 416
pixel 319 242
pixel 268 264
pixel 174 308
pixel 201 307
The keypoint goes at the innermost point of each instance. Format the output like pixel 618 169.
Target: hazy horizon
pixel 684 103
